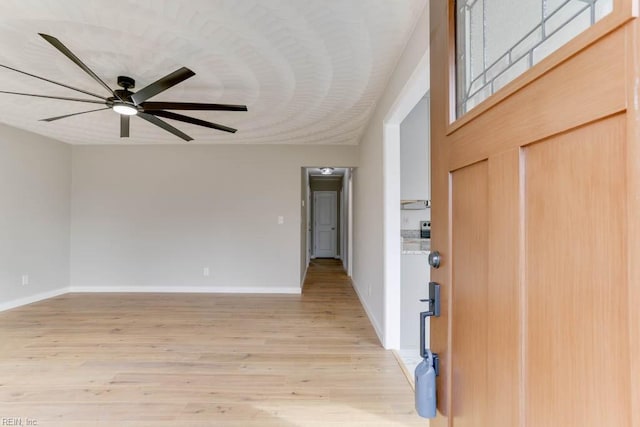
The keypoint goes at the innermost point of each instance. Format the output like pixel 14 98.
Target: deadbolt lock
pixel 435 259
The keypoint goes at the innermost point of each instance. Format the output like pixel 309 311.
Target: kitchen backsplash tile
pixel 410 234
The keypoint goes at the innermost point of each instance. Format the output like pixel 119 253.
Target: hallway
pixel 202 359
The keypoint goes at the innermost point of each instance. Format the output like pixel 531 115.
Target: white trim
pixel 189 289
pixel 407 374
pixel 391 236
pixel 412 92
pixel 372 318
pixel 31 299
pixel 309 229
pixel 350 226
pixel 415 88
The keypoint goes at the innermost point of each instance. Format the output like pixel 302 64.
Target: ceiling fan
pixel 127 103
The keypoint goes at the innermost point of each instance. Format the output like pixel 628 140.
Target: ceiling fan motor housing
pixel 126 82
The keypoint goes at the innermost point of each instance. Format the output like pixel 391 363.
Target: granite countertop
pixel 412 244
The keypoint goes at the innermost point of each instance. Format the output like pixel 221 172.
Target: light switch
pixel 280 220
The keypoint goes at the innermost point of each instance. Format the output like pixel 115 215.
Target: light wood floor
pixel 200 360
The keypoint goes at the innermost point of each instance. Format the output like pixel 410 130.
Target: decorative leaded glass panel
pixel 497 40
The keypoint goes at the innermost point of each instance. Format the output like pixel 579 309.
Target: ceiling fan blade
pixel 191 106
pixel 164 125
pixel 66 52
pixel 55 97
pixel 54 82
pixel 124 126
pixel 161 85
pixel 51 119
pixel 192 120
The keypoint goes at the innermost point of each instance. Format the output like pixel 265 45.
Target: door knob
pixel 435 259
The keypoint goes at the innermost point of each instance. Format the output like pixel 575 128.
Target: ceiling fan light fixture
pixel 126 109
pixel 326 171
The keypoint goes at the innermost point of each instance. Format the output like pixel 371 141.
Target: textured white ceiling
pixel 309 71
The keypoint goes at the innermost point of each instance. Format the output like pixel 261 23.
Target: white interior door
pixel 325 210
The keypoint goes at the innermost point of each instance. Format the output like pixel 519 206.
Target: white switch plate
pixel 206 272
pixel 25 279
pixel 281 220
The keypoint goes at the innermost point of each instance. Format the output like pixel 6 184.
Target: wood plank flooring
pixel 202 360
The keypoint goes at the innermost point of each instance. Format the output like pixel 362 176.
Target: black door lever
pixel 433 300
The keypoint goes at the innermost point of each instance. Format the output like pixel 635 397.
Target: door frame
pixel 308 231
pixel 344 223
pixel 347 208
pixel 413 91
pixel 349 224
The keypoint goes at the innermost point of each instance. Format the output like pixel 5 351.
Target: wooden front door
pixel 536 212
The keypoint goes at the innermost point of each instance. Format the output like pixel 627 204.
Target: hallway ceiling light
pixel 326 171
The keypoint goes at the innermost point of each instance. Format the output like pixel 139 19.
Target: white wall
pixel 35 184
pixel 152 217
pixel 369 238
pixel 414 153
pixel 415 280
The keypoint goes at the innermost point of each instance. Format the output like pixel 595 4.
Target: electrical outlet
pixel 206 272
pixel 280 220
pixel 25 279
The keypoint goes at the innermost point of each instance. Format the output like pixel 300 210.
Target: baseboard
pixel 187 289
pixel 31 299
pixel 304 277
pixel 372 319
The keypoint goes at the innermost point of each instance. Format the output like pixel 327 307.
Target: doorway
pixel 415 211
pixel 414 91
pixel 326 215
